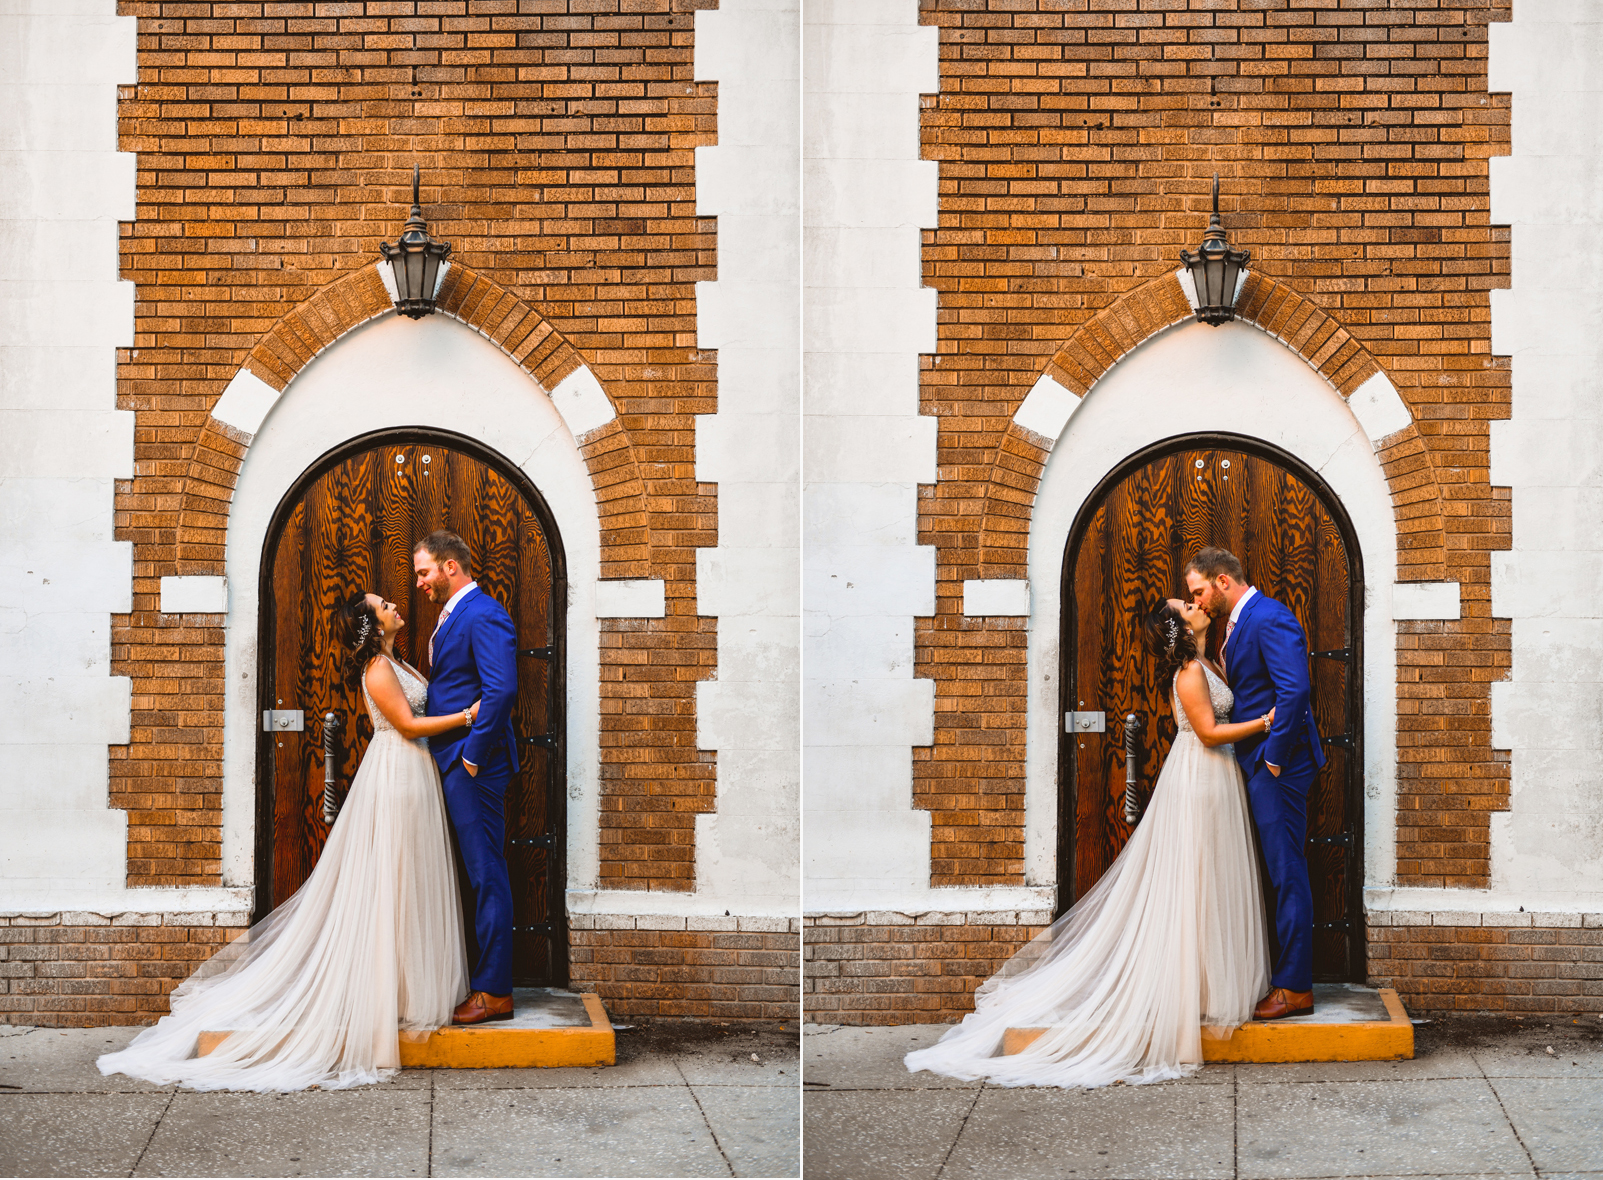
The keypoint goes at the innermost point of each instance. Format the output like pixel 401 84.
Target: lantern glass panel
pixel 413 288
pixel 1213 271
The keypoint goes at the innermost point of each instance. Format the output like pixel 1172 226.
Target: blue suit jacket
pixel 475 659
pixel 1267 662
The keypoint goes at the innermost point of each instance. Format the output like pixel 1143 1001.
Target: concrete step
pixel 1348 1023
pixel 548 1028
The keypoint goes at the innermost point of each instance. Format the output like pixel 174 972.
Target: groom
pixel 473 657
pixel 1265 655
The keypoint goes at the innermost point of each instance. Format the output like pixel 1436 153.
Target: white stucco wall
pixel 748 849
pixel 63 314
pixel 1547 849
pixel 866 448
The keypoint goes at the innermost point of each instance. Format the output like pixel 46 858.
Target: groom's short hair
pixel 444 545
pixel 1211 562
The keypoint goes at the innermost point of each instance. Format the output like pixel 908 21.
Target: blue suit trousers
pixel 1280 812
pixel 478 813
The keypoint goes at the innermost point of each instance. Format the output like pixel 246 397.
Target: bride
pixel 1171 940
pixel 369 950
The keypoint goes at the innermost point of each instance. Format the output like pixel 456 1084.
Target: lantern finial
pixel 1216 228
pixel 416 260
pixel 1216 270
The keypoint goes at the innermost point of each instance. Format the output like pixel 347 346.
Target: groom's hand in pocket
pixel 474 770
pixel 1269 766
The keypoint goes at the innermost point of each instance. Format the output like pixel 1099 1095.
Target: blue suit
pixel 1266 659
pixel 476 659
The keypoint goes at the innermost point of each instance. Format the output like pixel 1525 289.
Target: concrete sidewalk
pixel 685 1099
pixel 1483 1097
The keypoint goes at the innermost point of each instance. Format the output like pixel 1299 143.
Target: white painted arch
pixel 394 372
pixel 1234 379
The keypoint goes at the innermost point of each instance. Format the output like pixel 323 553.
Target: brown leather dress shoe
pixel 1280 1003
pixel 482 1006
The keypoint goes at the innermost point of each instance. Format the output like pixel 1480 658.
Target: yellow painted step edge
pixel 1266 1041
pixel 494 1047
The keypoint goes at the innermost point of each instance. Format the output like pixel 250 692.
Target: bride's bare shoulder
pixel 379 671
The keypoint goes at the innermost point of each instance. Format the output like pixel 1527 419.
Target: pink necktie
pixel 446 614
pixel 1224 648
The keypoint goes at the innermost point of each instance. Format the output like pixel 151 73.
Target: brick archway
pixel 508 322
pixel 1097 345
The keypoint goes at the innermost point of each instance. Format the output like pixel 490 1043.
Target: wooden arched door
pixel 349 524
pixel 1126 552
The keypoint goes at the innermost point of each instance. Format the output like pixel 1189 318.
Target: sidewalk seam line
pixel 428 1164
pixel 1235 1123
pixel 701 1110
pixel 171 1094
pixel 980 1089
pixel 1518 1138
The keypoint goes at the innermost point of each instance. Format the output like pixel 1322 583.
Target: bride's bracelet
pixel 1264 721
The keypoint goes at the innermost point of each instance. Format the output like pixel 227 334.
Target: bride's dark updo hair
pixel 1169 641
pixel 359 633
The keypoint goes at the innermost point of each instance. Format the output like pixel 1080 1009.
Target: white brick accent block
pixel 631 598
pixel 996 596
pixel 194 594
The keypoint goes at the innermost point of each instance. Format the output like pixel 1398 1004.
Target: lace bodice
pixel 413 686
pixel 1218 692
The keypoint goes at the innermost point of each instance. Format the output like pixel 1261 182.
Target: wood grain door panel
pixel 1126 554
pixel 350 525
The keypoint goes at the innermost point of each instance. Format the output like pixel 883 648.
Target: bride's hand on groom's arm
pixel 385 689
pixel 473 716
pixel 1192 688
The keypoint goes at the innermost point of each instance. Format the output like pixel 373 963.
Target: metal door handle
pixel 1134 805
pixel 331 758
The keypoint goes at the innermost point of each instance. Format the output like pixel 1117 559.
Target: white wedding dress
pixel 1169 941
pixel 367 951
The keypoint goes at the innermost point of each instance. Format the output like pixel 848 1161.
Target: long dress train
pixel 1169 941
pixel 367 951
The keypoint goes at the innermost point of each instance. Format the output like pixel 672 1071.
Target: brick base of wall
pixel 888 968
pixel 714 968
pixel 1451 962
pixel 76 970
pixel 900 969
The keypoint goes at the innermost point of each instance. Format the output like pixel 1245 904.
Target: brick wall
pixel 1489 962
pixel 713 968
pixel 76 970
pixel 275 143
pixel 889 968
pixel 894 969
pixel 1076 141
pixel 80 970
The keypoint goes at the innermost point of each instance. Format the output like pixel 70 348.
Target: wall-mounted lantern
pixel 415 259
pixel 1215 270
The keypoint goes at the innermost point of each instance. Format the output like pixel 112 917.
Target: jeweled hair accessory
pixel 1172 630
pixel 364 630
